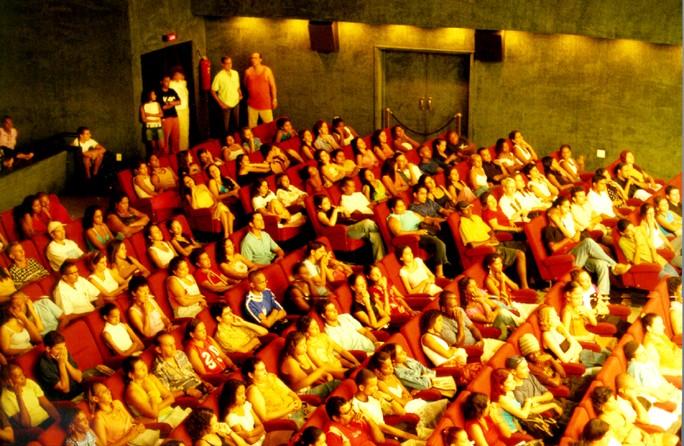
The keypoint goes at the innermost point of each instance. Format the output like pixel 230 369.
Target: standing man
pixel 226 91
pixel 169 99
pixel 261 89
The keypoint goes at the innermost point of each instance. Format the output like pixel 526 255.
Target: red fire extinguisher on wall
pixel 205 73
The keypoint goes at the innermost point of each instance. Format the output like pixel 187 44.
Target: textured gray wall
pixel 659 22
pixel 66 64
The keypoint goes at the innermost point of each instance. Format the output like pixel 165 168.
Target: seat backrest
pixel 618 351
pixel 381 212
pixel 454 411
pixel 436 438
pixel 136 247
pixel 610 370
pixel 9 224
pixel 28 361
pixel 271 355
pixel 82 345
pixel 74 231
pixel 411 332
pixel 157 282
pixel 533 233
pixel 277 280
pixel 499 359
pixel 482 382
pixel 577 421
pixel 125 178
pixel 391 266
pixel 346 389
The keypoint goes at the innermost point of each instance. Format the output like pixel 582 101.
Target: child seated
pixel 117 334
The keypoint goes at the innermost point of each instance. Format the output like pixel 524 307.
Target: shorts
pixel 154 134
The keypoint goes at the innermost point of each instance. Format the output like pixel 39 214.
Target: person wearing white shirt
pixel 585 217
pixel 225 90
pixel 8 143
pixel 598 197
pixel 73 293
pixel 180 86
pixel 509 203
pixel 345 330
pixel 352 201
pixel 60 248
pixel 92 151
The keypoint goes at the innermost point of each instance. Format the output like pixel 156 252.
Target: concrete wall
pixel 49 174
pixel 659 22
pixel 588 92
pixel 65 64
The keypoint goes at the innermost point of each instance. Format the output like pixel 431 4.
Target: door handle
pixel 421 103
pixel 429 103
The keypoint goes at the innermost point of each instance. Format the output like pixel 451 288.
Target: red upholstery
pixel 482 382
pixel 551 267
pixel 577 421
pixel 74 231
pixel 136 247
pixel 271 355
pixel 505 351
pixel 29 360
pixel 157 282
pixel 82 345
pixel 277 280
pixel 381 213
pixel 9 225
pixel 337 235
pixel 41 242
pixel 125 178
pixel 643 276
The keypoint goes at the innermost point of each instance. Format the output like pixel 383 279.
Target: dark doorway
pixel 425 89
pixel 165 61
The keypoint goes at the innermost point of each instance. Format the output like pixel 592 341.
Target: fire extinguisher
pixel 205 73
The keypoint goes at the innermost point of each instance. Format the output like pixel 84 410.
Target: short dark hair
pixel 157 338
pixel 136 282
pixel 81 130
pixel 67 264
pixel 595 430
pixel 630 349
pixel 647 320
pixel 576 190
pixel 216 309
pixel 248 367
pixel 108 308
pixel 333 405
pixel 599 396
pixel 363 376
pixel 622 225
pixel 512 362
pixel 474 406
pixel 53 338
pixel 428 319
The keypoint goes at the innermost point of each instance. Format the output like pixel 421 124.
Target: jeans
pixel 367 229
pixel 588 254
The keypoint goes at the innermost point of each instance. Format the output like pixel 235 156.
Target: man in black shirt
pixel 629 185
pixel 58 373
pixel 168 100
pixel 495 173
pixel 674 199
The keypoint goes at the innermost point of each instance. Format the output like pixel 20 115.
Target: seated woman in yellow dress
pixel 655 339
pixel 199 197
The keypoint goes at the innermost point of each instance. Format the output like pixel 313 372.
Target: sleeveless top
pixel 480 181
pixel 570 165
pixel 259 90
pixel 164 255
pixel 150 390
pixel 102 238
pixel 432 355
pixel 526 154
pixel 181 311
pixel 210 356
pixel 201 197
pixel 108 283
pixel 152 108
pixel 155 318
pixel 20 339
pixel 118 422
pixel 119 335
pixel 166 179
pixel 139 191
pixel 245 421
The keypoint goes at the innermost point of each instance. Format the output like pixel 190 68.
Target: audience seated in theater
pixel 18 331
pixel 456 189
pixel 271 399
pixel 330 172
pixel 125 265
pixel 147 396
pixel 187 164
pixel 206 159
pixel 306 147
pixel 397 176
pixel 77 429
pixel 482 415
pixel 441 155
pixel 57 372
pixel 365 158
pixel 43 312
pixel 638 247
pixel 142 181
pixel 91 151
pixel 302 294
pixel 222 187
pixel 364 307
pixel 60 248
pixel 182 242
pixel 277 159
pixel 412 374
pixel 24 403
pixel 106 280
pixel 650 226
pixel 587 253
pixel 631 187
pixel 494 170
pixel 113 424
pixel 300 372
pixel 615 191
pixel 73 293
pixel 123 220
pixel 415 276
pixel 597 433
pixel 342 133
pixel 203 428
pixel 372 188
pixel 163 178
pixel 239 414
pixel 595 303
pixel 198 196
pixel 206 356
pixel 539 185
pixel 347 331
pixel 311 436
pixel 144 313
pixel 621 415
pixel 526 197
pixel 159 250
pixel 402 142
pixel 340 160
pixel 367 401
pixel 655 339
pixel 289 195
pixel 248 172
pixel 646 412
pixel 549 370
pixel 556 174
pixel 479 180
pixel 674 199
pixel 323 140
pixel 511 203
pixel 669 222
pixel 506 158
pixel 349 427
pixel 251 143
pixel 427 163
pixel 184 294
pixel 234 334
pixel 257 246
pixel 261 304
pixel 387 296
pixel 574 167
pixel 636 173
pixel 459 145
pixel 674 291
pixel 643 366
pixel 523 401
pixel 322 265
pixel 459 331
pixel 564 345
pixel 32 219
pixel 381 148
pixel 284 131
pixel 493 216
pixel 231 149
pixel 206 275
pixel 599 200
pixel 402 221
pixel 266 203
pixel 233 264
pixel 323 351
pixel 117 334
pixel 434 346
pixel 502 287
pixel 426 206
pixel 576 316
pixel 97 233
pixel 7 286
pixel 483 309
pixel 521 148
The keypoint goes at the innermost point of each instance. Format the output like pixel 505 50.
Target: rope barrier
pixel 417 132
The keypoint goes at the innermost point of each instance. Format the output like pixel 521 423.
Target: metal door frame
pixel 379 73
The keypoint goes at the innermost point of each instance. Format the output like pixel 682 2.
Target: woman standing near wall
pixel 180 86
